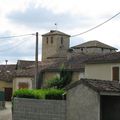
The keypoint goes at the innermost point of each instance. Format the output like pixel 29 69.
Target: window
pixel 115 73
pixel 61 40
pixel 82 49
pixel 102 49
pixel 23 85
pixel 51 40
pixel 47 40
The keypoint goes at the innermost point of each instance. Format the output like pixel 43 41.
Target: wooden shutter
pixel 115 73
pixel 23 85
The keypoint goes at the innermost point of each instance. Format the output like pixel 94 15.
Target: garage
pixel 92 99
pixel 110 107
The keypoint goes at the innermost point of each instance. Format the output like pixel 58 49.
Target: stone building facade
pixel 55 43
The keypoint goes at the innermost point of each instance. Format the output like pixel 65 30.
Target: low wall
pixel 33 109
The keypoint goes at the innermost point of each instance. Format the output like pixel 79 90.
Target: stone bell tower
pixel 55 43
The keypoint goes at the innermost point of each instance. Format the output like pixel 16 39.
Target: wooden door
pixel 8 94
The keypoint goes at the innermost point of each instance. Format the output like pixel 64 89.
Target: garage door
pixel 8 94
pixel 110 108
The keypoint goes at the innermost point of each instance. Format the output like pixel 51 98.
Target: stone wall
pixel 33 109
pixel 83 104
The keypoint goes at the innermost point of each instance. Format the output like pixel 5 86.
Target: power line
pixel 14 46
pixel 16 36
pixel 96 26
pixel 11 47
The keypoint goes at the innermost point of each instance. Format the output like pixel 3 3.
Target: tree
pixel 61 81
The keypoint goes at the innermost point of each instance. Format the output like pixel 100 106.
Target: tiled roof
pixel 55 32
pixel 30 71
pixel 98 85
pixel 74 63
pixel 25 73
pixel 7 72
pixel 94 44
pixel 107 58
pixel 8 67
pixel 22 64
pixel 77 61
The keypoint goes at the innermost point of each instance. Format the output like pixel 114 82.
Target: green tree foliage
pixel 61 81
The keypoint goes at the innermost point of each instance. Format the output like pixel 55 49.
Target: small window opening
pixel 102 49
pixel 51 40
pixel 47 40
pixel 61 40
pixel 82 49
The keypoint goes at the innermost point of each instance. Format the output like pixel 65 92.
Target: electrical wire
pixel 11 47
pixel 70 36
pixel 14 46
pixel 96 26
pixel 11 41
pixel 16 36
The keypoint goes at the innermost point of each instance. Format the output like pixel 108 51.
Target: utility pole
pixel 36 61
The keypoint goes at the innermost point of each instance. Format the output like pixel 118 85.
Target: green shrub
pixel 40 94
pixel 61 81
pixel 55 94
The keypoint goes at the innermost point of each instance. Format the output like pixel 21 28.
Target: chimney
pixel 6 61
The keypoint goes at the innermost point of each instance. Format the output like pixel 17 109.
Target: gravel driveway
pixel 6 113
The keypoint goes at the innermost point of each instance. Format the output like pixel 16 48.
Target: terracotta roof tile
pixel 107 58
pixel 7 72
pixel 22 64
pixel 98 85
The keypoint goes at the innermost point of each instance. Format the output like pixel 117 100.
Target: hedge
pixel 55 94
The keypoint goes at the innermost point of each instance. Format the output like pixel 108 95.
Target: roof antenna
pixel 6 62
pixel 55 26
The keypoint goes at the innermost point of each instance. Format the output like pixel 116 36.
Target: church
pixel 57 44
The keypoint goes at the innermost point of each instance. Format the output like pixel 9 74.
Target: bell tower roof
pixel 55 32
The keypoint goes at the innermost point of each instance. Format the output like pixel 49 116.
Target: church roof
pixel 55 32
pixel 94 44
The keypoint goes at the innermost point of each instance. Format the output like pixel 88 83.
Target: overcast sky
pixel 19 17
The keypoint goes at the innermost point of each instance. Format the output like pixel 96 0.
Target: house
pixel 24 76
pixel 10 73
pixel 23 79
pixel 6 78
pixel 92 99
pixel 104 67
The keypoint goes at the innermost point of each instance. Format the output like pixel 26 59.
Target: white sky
pixel 28 16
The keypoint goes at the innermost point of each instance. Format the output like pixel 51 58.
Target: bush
pixel 40 94
pixel 60 82
pixel 55 94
